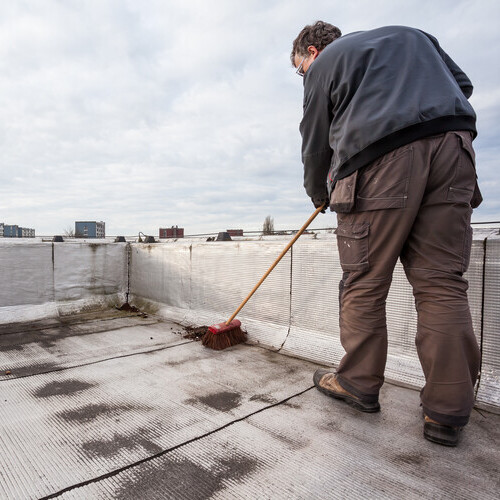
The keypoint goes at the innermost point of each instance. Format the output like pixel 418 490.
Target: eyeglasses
pixel 300 70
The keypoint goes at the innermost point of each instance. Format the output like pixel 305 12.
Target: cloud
pixel 160 113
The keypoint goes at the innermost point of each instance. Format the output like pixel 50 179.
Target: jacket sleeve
pixel 461 78
pixel 315 128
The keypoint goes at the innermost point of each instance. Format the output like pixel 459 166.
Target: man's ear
pixel 313 51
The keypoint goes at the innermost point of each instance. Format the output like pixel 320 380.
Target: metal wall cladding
pixel 489 386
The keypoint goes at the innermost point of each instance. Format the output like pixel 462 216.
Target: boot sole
pixel 441 434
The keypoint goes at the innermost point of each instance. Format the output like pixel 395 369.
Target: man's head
pixel 310 42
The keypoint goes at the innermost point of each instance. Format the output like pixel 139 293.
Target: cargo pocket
pixel 384 183
pixel 352 242
pixel 463 185
pixel 343 198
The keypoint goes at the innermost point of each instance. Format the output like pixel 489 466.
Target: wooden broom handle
pixel 274 264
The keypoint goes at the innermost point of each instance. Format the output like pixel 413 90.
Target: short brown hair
pixel 319 35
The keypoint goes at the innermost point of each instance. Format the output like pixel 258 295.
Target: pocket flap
pixel 466 140
pixel 353 231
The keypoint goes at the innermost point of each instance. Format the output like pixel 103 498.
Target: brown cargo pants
pixel 414 203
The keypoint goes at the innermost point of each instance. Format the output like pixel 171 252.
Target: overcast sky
pixel 148 114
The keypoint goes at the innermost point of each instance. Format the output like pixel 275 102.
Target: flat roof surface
pixel 121 405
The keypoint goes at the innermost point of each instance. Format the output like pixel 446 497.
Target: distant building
pixel 14 231
pixel 26 232
pixel 10 231
pixel 172 232
pixel 90 229
pixel 235 232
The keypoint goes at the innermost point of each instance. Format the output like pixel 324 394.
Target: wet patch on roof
pixel 64 388
pixel 46 338
pixel 222 401
pixel 185 478
pixel 107 448
pixel 178 478
pixel 237 466
pixel 25 370
pixel 90 412
pixel 47 335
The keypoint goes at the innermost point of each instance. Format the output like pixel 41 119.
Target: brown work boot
pixel 440 433
pixel 326 382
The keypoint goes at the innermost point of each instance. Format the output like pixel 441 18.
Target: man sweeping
pixel 387 143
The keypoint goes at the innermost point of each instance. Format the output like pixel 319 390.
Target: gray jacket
pixel 370 92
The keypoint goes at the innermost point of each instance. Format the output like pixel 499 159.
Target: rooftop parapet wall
pixel 296 309
pixel 41 280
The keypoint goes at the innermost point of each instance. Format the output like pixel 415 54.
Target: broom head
pixel 224 335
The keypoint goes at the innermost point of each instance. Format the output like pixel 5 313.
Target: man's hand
pixel 318 202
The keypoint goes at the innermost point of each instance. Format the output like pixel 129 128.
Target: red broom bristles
pixel 222 340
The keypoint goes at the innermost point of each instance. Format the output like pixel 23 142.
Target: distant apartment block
pixel 15 231
pixel 90 229
pixel 172 232
pixel 25 232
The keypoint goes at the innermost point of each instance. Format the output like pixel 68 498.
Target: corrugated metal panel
pixel 309 447
pixel 65 427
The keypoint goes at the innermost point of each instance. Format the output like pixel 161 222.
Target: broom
pixel 227 334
